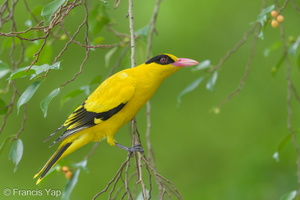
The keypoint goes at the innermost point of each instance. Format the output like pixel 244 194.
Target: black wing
pixel 81 119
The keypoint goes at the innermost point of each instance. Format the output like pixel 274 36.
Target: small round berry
pixel 63 37
pixel 68 174
pixel 58 168
pixel 274 23
pixel 274 13
pixel 65 169
pixel 280 18
pixel 216 110
pixel 292 39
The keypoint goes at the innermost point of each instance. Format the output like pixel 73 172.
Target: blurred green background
pixel 205 155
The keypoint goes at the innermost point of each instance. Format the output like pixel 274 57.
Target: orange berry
pixel 280 18
pixel 274 23
pixel 68 174
pixel 65 169
pixel 274 13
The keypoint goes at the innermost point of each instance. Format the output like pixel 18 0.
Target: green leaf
pixel 143 32
pixel 40 69
pixel 8 42
pixel 35 70
pixel 98 19
pixel 86 89
pixel 141 197
pixel 298 61
pixel 43 68
pixel 275 46
pixel 277 66
pixel 3 107
pixel 96 80
pixel 27 94
pixel 81 165
pixel 73 181
pixel 212 81
pixel 45 102
pixel 70 95
pixel 289 196
pixel 70 185
pixel 280 146
pixel 32 49
pixel 261 34
pixel 45 55
pixel 98 40
pixel 50 9
pixel 276 156
pixel 105 4
pixel 36 11
pixel 20 73
pixel 140 50
pixel 203 65
pixel 16 153
pixel 4 144
pixel 108 56
pixel 4 69
pixel 262 17
pixel 28 23
pixel 74 93
pixel 192 86
pixel 293 49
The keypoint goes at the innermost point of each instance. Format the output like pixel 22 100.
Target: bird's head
pixel 168 59
pixel 167 64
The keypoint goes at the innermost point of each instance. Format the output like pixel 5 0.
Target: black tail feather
pixel 51 135
pixel 55 158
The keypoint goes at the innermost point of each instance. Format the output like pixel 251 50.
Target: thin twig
pixel 295 6
pixel 159 178
pixel 30 12
pixel 113 179
pixel 136 139
pixel 118 60
pixel 10 109
pixel 38 53
pixel 87 50
pixel 283 6
pixel 126 182
pixel 22 123
pixel 245 75
pixel 234 49
pixel 152 30
pixel 92 151
pixel 151 155
pixel 290 88
pixel 131 29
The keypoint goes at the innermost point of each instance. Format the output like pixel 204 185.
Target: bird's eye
pixel 163 60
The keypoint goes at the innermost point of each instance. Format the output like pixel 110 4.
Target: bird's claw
pixel 137 147
pixel 134 148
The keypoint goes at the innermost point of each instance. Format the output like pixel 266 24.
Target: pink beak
pixel 184 62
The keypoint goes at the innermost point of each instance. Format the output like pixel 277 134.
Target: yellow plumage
pixel 114 103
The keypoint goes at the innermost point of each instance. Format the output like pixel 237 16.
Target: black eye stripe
pixel 161 59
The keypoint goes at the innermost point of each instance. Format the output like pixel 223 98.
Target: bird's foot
pixel 134 148
pixel 137 147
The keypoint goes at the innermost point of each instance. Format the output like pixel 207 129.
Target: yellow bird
pixel 114 103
